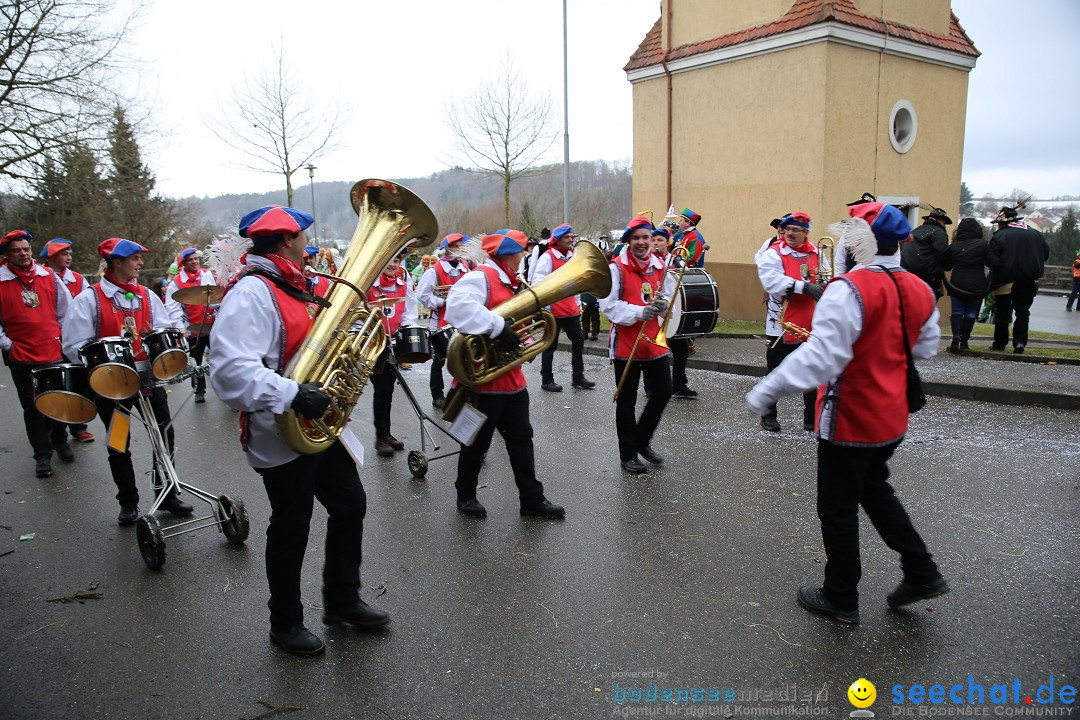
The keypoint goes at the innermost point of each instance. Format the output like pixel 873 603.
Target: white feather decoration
pixel 223 257
pixel 857 237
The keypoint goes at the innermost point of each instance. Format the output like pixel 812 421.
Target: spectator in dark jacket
pixel 924 253
pixel 968 257
pixel 1020 253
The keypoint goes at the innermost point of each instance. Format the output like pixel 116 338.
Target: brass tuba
pixel 477 359
pixel 334 353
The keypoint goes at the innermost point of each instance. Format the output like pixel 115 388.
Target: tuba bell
pixel 476 359
pixel 334 353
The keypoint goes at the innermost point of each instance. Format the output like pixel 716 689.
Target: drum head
pixel 65 406
pixel 169 364
pixel 114 381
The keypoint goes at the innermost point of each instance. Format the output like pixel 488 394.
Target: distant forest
pixel 462 201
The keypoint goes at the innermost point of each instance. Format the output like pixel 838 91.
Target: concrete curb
pixel 980 393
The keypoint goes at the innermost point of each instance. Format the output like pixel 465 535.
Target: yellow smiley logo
pixel 862 693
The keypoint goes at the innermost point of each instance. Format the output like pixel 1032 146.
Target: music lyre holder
pixel 227 514
pixel 418 459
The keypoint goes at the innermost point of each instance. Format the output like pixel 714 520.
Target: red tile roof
pixel 804 13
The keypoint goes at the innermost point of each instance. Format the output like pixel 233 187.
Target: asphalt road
pixel 685 576
pixel 1048 315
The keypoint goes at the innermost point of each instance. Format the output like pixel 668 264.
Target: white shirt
pixel 63 299
pixel 245 338
pixel 178 310
pixel 777 285
pixel 83 317
pixel 425 289
pixel 544 267
pixel 466 304
pixel 837 324
pixel 620 312
pixel 68 276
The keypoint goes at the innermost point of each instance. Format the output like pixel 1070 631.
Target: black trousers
pixel 634 432
pixel 197 347
pixel 774 355
pixel 572 327
pixel 1019 302
pixel 847 478
pixel 123 471
pixel 509 414
pixel 332 477
pixel 590 319
pixel 680 352
pixel 436 381
pixel 382 398
pixel 40 430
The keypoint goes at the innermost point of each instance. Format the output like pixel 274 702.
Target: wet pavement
pixel 684 577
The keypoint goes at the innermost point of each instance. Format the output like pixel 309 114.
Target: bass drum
pixel 110 367
pixel 696 307
pixel 62 393
pixel 439 341
pixel 411 345
pixel 167 350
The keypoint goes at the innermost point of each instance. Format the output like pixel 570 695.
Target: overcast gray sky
pixel 402 62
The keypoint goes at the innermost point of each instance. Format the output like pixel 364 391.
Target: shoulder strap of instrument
pixel 287 287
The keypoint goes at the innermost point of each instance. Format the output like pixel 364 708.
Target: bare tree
pixel 503 129
pixel 57 58
pixel 271 121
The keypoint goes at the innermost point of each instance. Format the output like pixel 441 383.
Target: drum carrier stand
pixel 418 459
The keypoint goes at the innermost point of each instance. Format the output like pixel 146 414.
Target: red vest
pixel 391 313
pixel 72 287
pixel 800 308
pixel 567 307
pixel 198 315
pixel 868 401
pixel 34 331
pixel 444 278
pixel 320 286
pixel 498 293
pixel 632 281
pixel 111 319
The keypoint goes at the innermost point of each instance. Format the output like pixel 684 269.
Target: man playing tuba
pixel 504 400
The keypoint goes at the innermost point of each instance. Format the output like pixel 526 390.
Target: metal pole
pixel 566 124
pixel 311 184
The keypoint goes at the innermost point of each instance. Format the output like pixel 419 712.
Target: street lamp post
pixel 311 183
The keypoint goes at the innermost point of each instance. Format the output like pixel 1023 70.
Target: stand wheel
pixel 151 541
pixel 417 464
pixel 234 520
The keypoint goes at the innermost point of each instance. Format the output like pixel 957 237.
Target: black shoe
pixel 174 505
pixel 684 392
pixel 395 443
pixel 651 455
pixel 64 451
pixel 544 509
pixel 471 507
pixel 359 615
pixel 43 468
pixel 551 386
pixel 129 515
pixel 200 397
pixel 907 593
pixel 955 344
pixel 438 402
pixel 1019 349
pixel 592 337
pixel 769 423
pixel 635 466
pixel 814 600
pixel 383 447
pixel 808 425
pixel 580 381
pixel 297 640
pixel 997 348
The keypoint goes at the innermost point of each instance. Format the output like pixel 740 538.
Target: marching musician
pixel 689 235
pixel 33 303
pixel 504 400
pixel 640 295
pixel 320 285
pixel 431 293
pixel 393 282
pixel 567 313
pixel 263 319
pixel 197 319
pixel 857 355
pixel 680 347
pixel 788 271
pixel 57 254
pixel 119 305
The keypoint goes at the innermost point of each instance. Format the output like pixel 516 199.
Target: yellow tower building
pixel 748 109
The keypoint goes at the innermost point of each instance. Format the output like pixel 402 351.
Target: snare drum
pixel 110 367
pixel 167 350
pixel 411 345
pixel 439 342
pixel 62 393
pixel 696 307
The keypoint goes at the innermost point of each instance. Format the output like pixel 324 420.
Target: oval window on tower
pixel 903 126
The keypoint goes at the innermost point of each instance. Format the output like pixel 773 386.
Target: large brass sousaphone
pixel 334 352
pixel 477 359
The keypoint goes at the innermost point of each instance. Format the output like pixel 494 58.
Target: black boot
pixel 580 381
pixel 956 321
pixel 965 332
